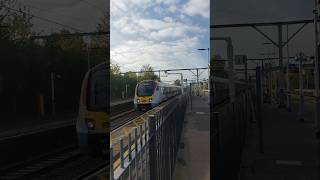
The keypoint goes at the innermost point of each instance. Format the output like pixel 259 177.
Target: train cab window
pixel 98 91
pixel 145 89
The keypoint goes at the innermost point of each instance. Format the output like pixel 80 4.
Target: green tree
pixel 99 46
pixel 177 82
pixel 147 73
pixel 17 24
pixel 115 69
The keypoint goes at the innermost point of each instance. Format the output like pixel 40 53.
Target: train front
pixel 92 122
pixel 145 95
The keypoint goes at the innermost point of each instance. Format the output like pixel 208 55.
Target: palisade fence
pixel 150 151
pixel 231 122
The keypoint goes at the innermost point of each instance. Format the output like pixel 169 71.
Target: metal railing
pixel 152 148
pixel 229 130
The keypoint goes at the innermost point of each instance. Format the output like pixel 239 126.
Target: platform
pixel 289 145
pixel 23 125
pixel 12 126
pixel 120 101
pixel 194 154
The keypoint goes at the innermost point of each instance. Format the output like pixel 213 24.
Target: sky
pixel 163 33
pixel 83 15
pixel 249 42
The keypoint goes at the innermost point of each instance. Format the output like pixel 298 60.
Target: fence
pixel 230 125
pixel 152 149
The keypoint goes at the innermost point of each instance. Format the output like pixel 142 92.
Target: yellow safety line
pixel 117 162
pixel 135 123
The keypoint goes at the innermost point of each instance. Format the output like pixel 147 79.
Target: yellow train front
pixel 93 121
pixel 150 93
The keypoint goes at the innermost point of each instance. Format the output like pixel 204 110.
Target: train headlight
pixel 90 123
pixel 138 100
pixel 150 99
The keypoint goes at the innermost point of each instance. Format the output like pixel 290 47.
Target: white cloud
pixel 155 29
pixel 167 2
pixel 197 8
pixel 172 8
pixel 154 33
pixel 176 54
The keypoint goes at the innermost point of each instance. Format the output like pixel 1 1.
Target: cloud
pixel 172 8
pixel 197 8
pixel 182 53
pixel 131 55
pixel 156 29
pixel 154 33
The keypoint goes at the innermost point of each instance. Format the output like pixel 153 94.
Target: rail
pixel 229 128
pixel 152 147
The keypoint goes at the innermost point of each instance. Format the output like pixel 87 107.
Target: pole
pixel 198 87
pixel 88 54
pixel 231 76
pixel 316 79
pixel 281 83
pixel 300 87
pixel 191 96
pixel 209 75
pixel 153 147
pixel 259 104
pixel 52 95
pixel 126 90
pixel 287 73
pixel 246 78
pixel 316 73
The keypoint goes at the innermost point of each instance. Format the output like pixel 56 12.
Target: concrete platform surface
pixel 291 150
pixel 194 154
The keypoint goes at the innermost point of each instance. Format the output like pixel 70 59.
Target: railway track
pixel 123 118
pixel 64 163
pixel 101 171
pixel 37 165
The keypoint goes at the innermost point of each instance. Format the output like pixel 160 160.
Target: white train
pixel 150 93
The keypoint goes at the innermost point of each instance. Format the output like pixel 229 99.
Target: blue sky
pixel 163 33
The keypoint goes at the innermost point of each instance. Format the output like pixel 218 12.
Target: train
pixel 151 93
pixel 92 123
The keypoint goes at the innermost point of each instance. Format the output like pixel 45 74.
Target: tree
pixel 177 82
pixel 99 44
pixel 17 24
pixel 146 73
pixel 132 75
pixel 115 69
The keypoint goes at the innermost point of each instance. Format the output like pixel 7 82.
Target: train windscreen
pixel 98 91
pixel 145 89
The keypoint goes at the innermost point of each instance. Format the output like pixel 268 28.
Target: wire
pixel 93 5
pixel 47 11
pixel 44 19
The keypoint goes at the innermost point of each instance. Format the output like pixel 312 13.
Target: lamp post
pixel 208 49
pixel 53 77
pixel 88 46
pixel 316 68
